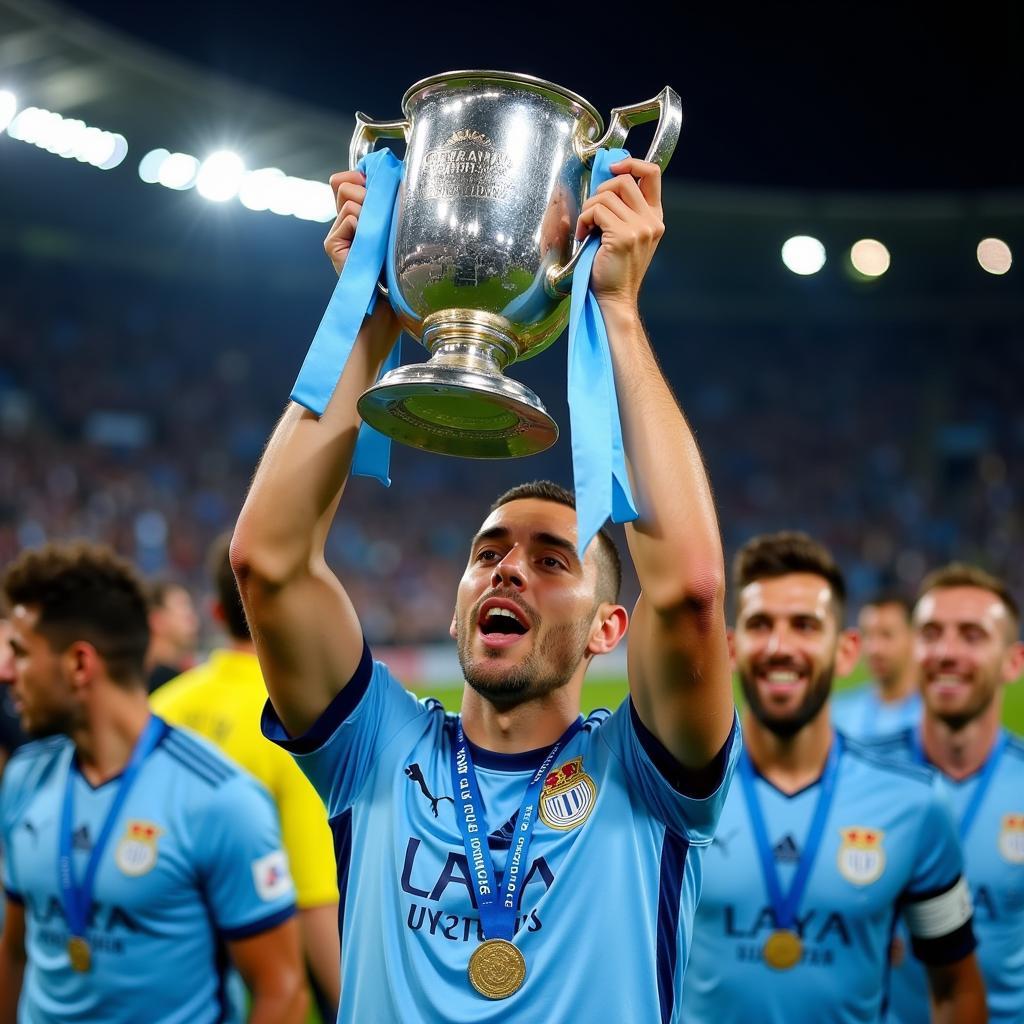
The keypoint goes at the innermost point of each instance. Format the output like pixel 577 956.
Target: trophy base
pixel 453 410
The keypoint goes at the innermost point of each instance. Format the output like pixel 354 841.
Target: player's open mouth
pixel 780 680
pixel 501 622
pixel 948 682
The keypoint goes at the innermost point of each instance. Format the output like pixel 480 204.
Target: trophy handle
pixel 364 140
pixel 368 131
pixel 668 108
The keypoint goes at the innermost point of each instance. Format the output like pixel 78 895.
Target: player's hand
pixel 627 211
pixel 349 189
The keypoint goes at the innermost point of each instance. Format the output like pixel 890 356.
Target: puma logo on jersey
pixel 414 773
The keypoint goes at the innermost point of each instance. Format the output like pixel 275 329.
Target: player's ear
pixel 847 651
pixel 610 624
pixel 453 629
pixel 1013 662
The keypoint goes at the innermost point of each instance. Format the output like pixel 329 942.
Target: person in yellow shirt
pixel 222 699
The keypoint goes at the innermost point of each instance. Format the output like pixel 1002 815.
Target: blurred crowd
pixel 131 416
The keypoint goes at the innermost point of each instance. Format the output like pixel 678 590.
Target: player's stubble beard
pixel 548 667
pixel 819 689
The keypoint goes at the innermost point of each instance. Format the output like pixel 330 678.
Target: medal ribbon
pixel 353 298
pixel 598 457
pixel 786 905
pixel 497 909
pixel 77 899
pixel 981 787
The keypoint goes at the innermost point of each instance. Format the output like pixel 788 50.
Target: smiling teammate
pixel 822 844
pixel 967 651
pixel 515 852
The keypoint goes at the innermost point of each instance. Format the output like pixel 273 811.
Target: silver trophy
pixel 480 267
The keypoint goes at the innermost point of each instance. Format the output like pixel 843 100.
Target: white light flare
pixel 803 255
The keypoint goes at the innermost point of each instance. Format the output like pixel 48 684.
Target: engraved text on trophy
pixel 468 164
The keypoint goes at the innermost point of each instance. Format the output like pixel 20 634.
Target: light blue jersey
pixel 888 845
pixel 606 900
pixel 194 860
pixel 994 866
pixel 862 715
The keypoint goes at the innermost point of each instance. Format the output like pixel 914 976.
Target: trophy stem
pixel 460 402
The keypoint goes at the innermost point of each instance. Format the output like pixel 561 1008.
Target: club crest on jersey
pixel 861 859
pixel 568 796
pixel 136 852
pixel 1011 838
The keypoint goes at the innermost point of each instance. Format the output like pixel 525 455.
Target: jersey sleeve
pixel 937 902
pixel 244 871
pixel 687 801
pixel 6 831
pixel 305 833
pixel 338 752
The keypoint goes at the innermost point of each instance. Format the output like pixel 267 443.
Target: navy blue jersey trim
pixel 15 897
pixel 341 830
pixel 203 758
pixel 264 924
pixel 333 715
pixel 946 949
pixel 182 758
pixel 696 783
pixel 673 863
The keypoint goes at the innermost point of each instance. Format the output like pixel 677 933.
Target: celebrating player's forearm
pixel 678 654
pixel 305 629
pixel 12 961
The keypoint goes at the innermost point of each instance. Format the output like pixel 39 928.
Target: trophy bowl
pixel 481 255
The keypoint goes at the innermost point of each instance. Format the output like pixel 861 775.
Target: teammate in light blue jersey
pixel 967 651
pixel 821 844
pixel 137 860
pixel 538 867
pixel 891 702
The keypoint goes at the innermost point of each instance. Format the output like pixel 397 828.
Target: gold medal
pixel 783 949
pixel 497 969
pixel 79 954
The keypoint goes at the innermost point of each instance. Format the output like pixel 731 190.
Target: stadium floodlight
pixel 259 187
pixel 8 108
pixel 994 255
pixel 869 257
pixel 178 171
pixel 149 165
pixel 803 255
pixel 220 176
pixel 68 137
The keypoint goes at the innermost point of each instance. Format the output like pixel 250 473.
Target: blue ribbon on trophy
pixel 599 465
pixel 353 298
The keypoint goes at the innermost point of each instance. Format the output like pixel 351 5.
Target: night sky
pixel 839 95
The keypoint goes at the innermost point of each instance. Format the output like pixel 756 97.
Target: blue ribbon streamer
pixel 598 456
pixel 980 788
pixel 77 899
pixel 787 905
pixel 497 907
pixel 353 298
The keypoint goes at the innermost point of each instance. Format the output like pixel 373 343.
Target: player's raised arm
pixel 678 656
pixel 306 631
pixel 12 961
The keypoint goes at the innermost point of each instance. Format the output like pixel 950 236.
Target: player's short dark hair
pixel 890 597
pixel 771 555
pixel 609 564
pixel 961 574
pixel 84 591
pixel 218 562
